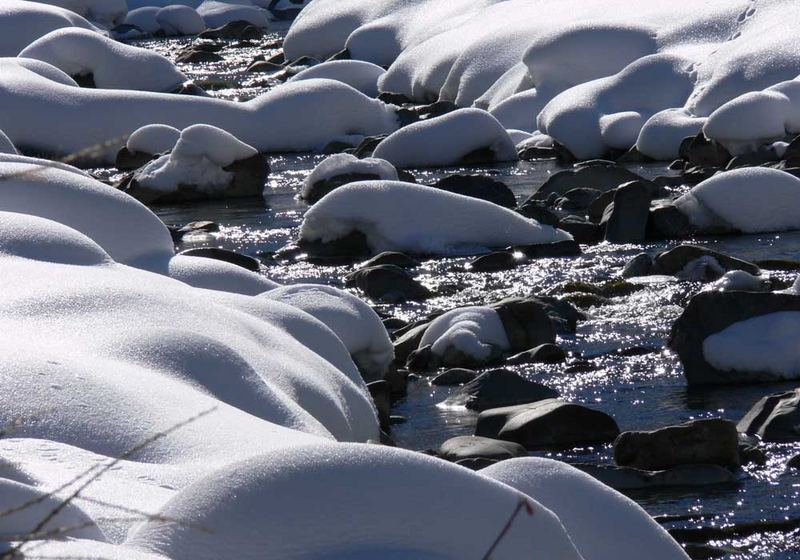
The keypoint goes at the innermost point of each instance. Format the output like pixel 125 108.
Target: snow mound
pixel 448 140
pixel 180 20
pixel 662 134
pixel 750 200
pixel 623 530
pixel 7 146
pixel 217 13
pixel 474 332
pixel 112 65
pixel 358 74
pixel 353 321
pixel 145 18
pixel 23 22
pixel 765 344
pixel 270 502
pixel 418 219
pixel 107 13
pixel 345 165
pixel 153 139
pixel 213 274
pixel 96 123
pixel 738 280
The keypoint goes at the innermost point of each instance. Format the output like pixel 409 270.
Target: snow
pixel 662 134
pixel 153 139
pixel 107 13
pixel 214 274
pixel 358 74
pixel 97 122
pixel 738 280
pixel 180 20
pixel 347 164
pixel 475 332
pixel 146 18
pixel 767 343
pixel 113 65
pixel 218 13
pixel 751 200
pixel 519 110
pixel 353 321
pixel 408 217
pixel 621 532
pixel 23 22
pixel 446 140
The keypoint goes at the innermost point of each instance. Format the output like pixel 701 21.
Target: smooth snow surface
pixel 358 74
pixel 446 140
pixel 603 524
pixel 22 22
pixel 180 20
pixel 766 344
pixel 106 13
pixel 474 332
pixel 751 200
pixel 214 274
pixel 6 145
pixel 408 217
pixel 153 139
pixel 217 13
pixel 113 65
pixel 347 164
pixel 353 321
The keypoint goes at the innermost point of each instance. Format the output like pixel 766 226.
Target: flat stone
pixel 499 388
pixel 473 447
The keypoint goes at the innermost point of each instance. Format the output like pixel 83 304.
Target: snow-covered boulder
pixel 214 274
pixel 749 200
pixel 361 75
pixel 23 22
pixel 459 137
pixel 145 143
pixel 106 63
pixel 396 216
pixel 217 13
pixel 662 134
pixel 145 18
pixel 353 321
pixel 107 13
pixel 467 336
pixel 97 122
pixel 340 169
pixel 180 20
pixel 206 163
pixel 620 533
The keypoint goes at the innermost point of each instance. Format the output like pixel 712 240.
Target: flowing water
pixel 644 389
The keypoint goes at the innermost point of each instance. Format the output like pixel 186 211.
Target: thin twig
pixel 523 503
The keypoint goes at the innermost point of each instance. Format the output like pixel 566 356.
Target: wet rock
pixel 542 354
pixel 499 388
pixel 625 219
pixel 238 29
pixel 350 248
pixel 264 66
pixel 343 54
pixel 578 199
pixel 408 341
pixel 750 454
pixel 539 212
pixel 627 479
pixel 394 258
pixel 394 98
pixel 387 283
pixel 548 423
pixel 602 177
pixel 531 153
pixel 436 109
pixel 473 447
pixel 225 255
pixel 197 56
pixel 794 462
pixel 633 155
pixel 667 222
pixel 454 376
pixel 702 152
pixel 710 312
pixel 478 186
pixel 597 208
pixel 586 301
pixel 128 161
pixel 422 359
pixel 711 441
pixel 640 265
pixel 774 418
pixel 398 382
pixel 380 391
pixel 581 230
pixel 778 264
pixel 548 250
pixel 393 323
pixel 493 262
pixel 526 321
pixel 323 187
pixel 368 145
pixel 675 260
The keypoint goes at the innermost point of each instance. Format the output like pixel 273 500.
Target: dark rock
pixel 667 222
pixel 350 248
pixel 398 382
pixel 581 230
pixel 454 376
pixel 225 255
pixel 472 447
pixel 392 257
pixel 493 262
pixel 548 423
pixel 585 301
pixel 408 341
pixel 774 418
pixel 128 161
pixel 478 186
pixel 421 359
pixel 794 462
pixel 202 225
pixel 626 479
pixel 368 145
pixel 625 219
pixel 499 388
pixel 634 156
pixel 750 454
pixel 190 88
pixel 476 464
pixel 343 54
pixel 526 321
pixel 579 198
pixel 530 153
pixel 600 177
pixel 239 29
pixel 542 354
pixel 436 109
pixel 264 66
pixel 598 206
pixel 405 176
pixel 539 212
pixel 303 61
pixel 752 159
pixel 393 323
pixel 380 391
pixel 387 283
pixel 548 250
pixel 675 260
pixel 195 56
pixel 710 312
pixel 703 152
pixel 394 98
pixel 677 165
pixel 778 264
pixel 711 441
pixel 85 80
pixel 640 265
pixel 405 116
pixel 563 155
pixel 323 187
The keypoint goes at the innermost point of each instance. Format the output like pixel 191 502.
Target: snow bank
pixel 112 65
pixel 767 344
pixel 662 134
pixel 448 140
pixel 280 120
pixel 474 332
pixel 269 502
pixel 213 274
pixel 217 13
pixel 358 74
pixel 107 13
pixel 623 530
pixel 353 321
pixel 180 20
pixel 407 217
pixel 145 18
pixel 751 200
pixel 341 165
pixel 153 139
pixel 23 22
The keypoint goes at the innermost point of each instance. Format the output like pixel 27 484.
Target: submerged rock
pixel 388 283
pixel 225 255
pixel 602 177
pixel 454 376
pixel 625 479
pixel 542 354
pixel 473 447
pixel 679 259
pixel 774 418
pixel 499 388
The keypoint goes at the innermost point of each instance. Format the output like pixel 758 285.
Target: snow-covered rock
pixel 110 64
pixel 180 20
pixel 750 200
pixel 97 122
pixel 217 13
pixel 466 335
pixel 153 139
pixel 418 219
pixel 214 274
pixel 465 135
pixel 340 169
pixel 358 74
pixel 23 22
pixel 353 321
pixel 145 18
pixel 106 13
pixel 738 280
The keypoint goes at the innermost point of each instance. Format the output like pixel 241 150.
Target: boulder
pixel 350 248
pixel 323 187
pixel 539 212
pixel 526 321
pixel 702 152
pixel 569 248
pixel 128 161
pixel 226 255
pixel 381 393
pixel 542 354
pixel 478 186
pixel 676 260
pixel 238 29
pixel 625 219
pixel 387 283
pixel 667 222
pixel 197 56
pixel 493 262
pixel 393 258
pixel 581 230
pixel 626 479
pixel 602 177
pixel 473 447
pixel 640 265
pixel 454 376
pixel 578 199
pixel 597 208
pixel 499 388
pixel 712 441
pixel 774 418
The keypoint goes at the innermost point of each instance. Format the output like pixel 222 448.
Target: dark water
pixel 640 392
